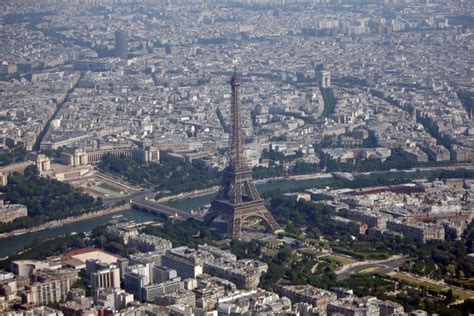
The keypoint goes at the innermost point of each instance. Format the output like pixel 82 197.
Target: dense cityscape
pixel 236 157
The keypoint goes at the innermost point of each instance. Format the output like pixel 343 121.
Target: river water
pixel 12 245
pixel 283 185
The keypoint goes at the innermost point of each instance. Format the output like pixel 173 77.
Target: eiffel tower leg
pixel 209 218
pixel 270 220
pixel 234 228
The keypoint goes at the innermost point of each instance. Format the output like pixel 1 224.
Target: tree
pixel 171 176
pixel 115 247
pixel 46 199
pixel 284 255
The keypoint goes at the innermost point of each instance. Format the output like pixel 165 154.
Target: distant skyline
pixel 334 176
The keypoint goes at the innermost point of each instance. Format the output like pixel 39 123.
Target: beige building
pixel 42 162
pixel 7 170
pixel 106 278
pixel 80 157
pixel 309 294
pixel 419 231
pixel 26 268
pixel 52 291
pixel 460 153
pixel 371 218
pixel 353 306
pixel 9 212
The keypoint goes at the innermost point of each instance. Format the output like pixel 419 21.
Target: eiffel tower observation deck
pixel 238 199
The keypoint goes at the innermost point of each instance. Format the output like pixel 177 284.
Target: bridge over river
pixel 143 203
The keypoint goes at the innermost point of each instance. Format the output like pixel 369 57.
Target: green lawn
pixel 339 259
pixel 362 252
pixel 467 283
pixel 370 270
pixel 312 241
pixel 430 286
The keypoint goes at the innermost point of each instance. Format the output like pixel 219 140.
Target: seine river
pixel 12 245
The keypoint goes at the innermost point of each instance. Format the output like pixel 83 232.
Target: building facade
pixel 81 157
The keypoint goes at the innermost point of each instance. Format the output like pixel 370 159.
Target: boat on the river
pixel 54 225
pixel 343 175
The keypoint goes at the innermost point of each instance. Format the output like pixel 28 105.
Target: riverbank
pixel 66 220
pixel 15 244
pixel 195 199
pixel 214 189
pixel 310 176
pixel 192 194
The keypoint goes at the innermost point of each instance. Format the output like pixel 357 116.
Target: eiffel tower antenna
pixel 238 199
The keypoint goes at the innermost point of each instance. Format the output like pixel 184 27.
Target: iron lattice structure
pixel 238 198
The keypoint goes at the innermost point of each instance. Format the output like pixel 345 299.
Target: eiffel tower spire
pixel 237 159
pixel 238 199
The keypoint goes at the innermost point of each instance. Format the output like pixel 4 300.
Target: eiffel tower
pixel 238 199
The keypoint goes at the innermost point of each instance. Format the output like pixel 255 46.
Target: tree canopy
pixel 46 199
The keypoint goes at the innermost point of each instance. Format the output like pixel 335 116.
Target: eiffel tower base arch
pixel 236 214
